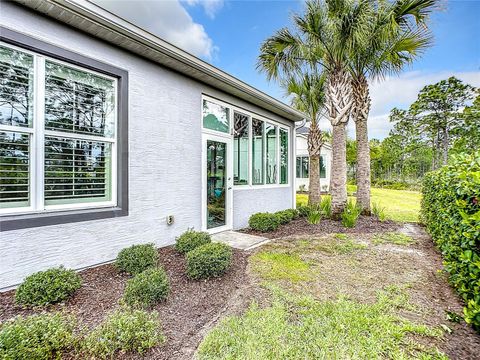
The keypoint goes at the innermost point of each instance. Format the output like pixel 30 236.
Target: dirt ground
pixel 194 307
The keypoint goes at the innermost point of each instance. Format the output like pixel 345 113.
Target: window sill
pixel 24 221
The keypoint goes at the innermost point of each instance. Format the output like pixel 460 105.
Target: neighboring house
pixel 303 163
pixel 110 136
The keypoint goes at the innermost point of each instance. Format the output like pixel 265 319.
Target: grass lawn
pixel 400 205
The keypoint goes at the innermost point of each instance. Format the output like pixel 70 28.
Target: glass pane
pixel 77 171
pixel 240 149
pixel 14 170
pixel 271 132
pixel 16 88
pixel 79 102
pixel 216 183
pixel 323 170
pixel 216 117
pixel 305 167
pixel 257 151
pixel 299 167
pixel 283 156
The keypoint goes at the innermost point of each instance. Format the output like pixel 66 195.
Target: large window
pixel 303 167
pixel 57 134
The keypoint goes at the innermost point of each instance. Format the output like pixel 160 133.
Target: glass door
pixel 217 180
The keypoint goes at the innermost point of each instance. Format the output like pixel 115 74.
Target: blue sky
pixel 228 34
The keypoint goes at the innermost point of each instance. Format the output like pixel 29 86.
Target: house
pixel 303 163
pixel 110 136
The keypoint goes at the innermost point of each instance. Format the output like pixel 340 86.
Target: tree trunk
pixel 338 185
pixel 361 108
pixel 339 105
pixel 315 141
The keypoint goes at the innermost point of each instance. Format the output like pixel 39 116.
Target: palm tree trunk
pixel 315 142
pixel 339 105
pixel 361 108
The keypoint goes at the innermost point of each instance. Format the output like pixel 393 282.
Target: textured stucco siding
pixel 164 163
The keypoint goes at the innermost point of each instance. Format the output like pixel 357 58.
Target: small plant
pixel 190 240
pixel 210 260
pixel 48 287
pixel 378 211
pixel 137 258
pixel 147 288
pixel 303 210
pixel 264 222
pixel 285 216
pixel 326 206
pixel 42 336
pixel 350 214
pixel 124 330
pixel 314 217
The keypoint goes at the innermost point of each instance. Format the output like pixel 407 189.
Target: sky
pixel 228 34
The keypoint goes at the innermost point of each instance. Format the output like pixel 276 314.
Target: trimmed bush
pixel 264 222
pixel 137 258
pixel 285 216
pixel 48 287
pixel 451 212
pixel 147 288
pixel 42 336
pixel 124 330
pixel 190 240
pixel 350 214
pixel 210 260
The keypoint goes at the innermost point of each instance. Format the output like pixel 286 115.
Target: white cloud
pixel 166 19
pixel 211 7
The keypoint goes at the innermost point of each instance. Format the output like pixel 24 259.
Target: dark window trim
pixel 22 221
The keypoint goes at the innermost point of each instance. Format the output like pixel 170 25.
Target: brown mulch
pixel 191 308
pixel 365 225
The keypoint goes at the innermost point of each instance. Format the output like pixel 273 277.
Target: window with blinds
pixel 74 124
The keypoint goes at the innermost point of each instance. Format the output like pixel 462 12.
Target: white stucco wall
pixel 326 152
pixel 164 163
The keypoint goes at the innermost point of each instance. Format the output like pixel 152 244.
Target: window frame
pixel 251 115
pixel 39 214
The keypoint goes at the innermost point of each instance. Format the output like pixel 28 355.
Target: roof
pixel 96 21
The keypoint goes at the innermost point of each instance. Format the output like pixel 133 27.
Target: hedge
pixel 451 212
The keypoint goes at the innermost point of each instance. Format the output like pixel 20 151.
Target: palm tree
pixel 308 96
pixel 396 36
pixel 325 34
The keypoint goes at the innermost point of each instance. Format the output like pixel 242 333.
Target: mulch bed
pixel 191 305
pixel 365 225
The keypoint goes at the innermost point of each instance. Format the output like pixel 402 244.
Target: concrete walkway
pixel 239 240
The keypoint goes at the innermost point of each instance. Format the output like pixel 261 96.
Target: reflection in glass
pixel 16 88
pixel 14 170
pixel 76 171
pixel 79 102
pixel 216 183
pixel 240 149
pixel 216 117
pixel 271 132
pixel 283 156
pixel 258 129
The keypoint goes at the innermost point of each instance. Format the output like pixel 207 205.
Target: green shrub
pixel 350 214
pixel 285 216
pixel 210 260
pixel 124 330
pixel 326 206
pixel 48 287
pixel 147 288
pixel 264 222
pixel 191 239
pixel 378 211
pixel 303 210
pixel 137 258
pixel 42 336
pixel 451 212
pixel 314 217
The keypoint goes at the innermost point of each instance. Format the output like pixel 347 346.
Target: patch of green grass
pixel 281 266
pixel 392 238
pixel 304 328
pixel 400 205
